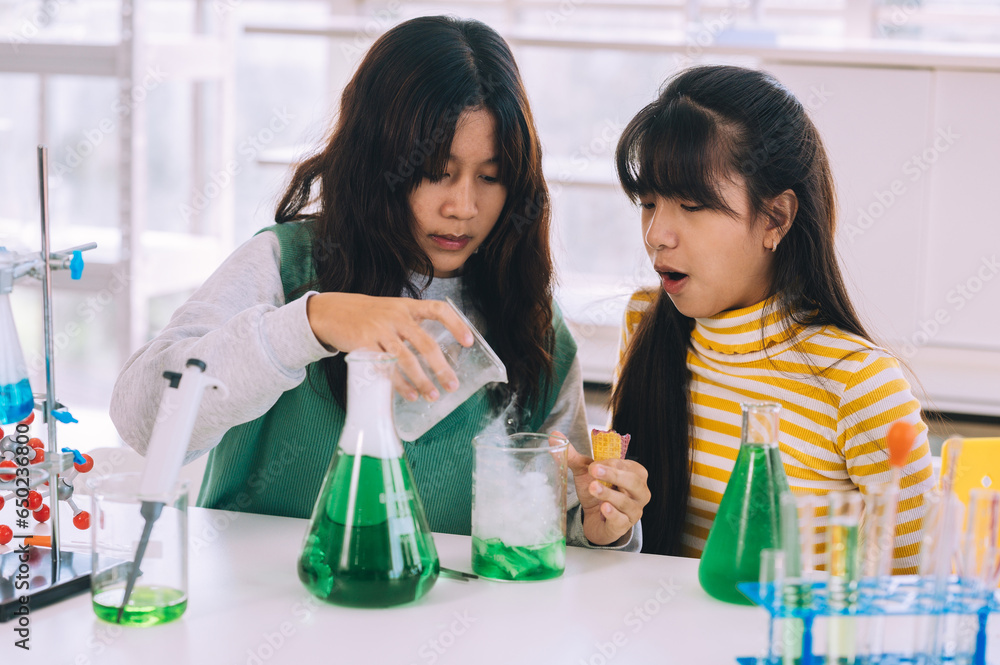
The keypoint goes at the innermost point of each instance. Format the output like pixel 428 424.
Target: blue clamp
pixel 78 457
pixel 76 266
pixel 64 417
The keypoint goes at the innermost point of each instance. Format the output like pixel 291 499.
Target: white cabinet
pixel 961 276
pixel 914 155
pixel 872 121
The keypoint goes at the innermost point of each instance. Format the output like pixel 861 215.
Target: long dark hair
pixel 397 119
pixel 710 122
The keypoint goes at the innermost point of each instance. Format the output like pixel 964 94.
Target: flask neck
pixel 761 425
pixel 368 426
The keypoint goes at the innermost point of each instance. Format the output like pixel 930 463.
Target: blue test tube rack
pixel 897 596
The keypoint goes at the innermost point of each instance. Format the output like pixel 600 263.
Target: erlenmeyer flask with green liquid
pixel 749 517
pixel 368 543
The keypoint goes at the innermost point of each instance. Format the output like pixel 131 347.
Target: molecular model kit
pixel 27 487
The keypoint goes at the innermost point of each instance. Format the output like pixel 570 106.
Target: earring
pixel 774 247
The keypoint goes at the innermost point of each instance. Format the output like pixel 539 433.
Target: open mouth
pixel 673 282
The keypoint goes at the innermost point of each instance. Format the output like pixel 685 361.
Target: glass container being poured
pixel 368 543
pixel 749 517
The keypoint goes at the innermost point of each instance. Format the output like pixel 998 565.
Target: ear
pixel 781 214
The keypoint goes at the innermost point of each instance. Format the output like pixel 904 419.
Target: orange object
pixel 608 445
pixel 41 514
pixel 86 466
pixel 39 541
pixel 900 441
pixel 34 500
pixel 5 534
pixel 82 520
pixel 36 443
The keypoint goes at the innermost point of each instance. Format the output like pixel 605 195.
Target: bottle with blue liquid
pixel 16 401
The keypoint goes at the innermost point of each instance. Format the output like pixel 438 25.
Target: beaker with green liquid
pixel 749 517
pixel 160 594
pixel 368 543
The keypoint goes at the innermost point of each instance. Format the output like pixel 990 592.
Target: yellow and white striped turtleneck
pixel 839 394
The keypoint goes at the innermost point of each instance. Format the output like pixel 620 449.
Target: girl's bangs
pixel 433 143
pixel 443 124
pixel 674 151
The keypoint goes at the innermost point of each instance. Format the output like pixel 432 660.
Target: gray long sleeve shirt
pixel 239 324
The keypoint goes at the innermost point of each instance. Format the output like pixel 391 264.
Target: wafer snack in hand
pixel 608 445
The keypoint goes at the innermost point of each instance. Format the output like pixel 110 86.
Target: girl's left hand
pixel 608 514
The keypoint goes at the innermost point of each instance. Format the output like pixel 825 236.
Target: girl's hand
pixel 349 321
pixel 608 514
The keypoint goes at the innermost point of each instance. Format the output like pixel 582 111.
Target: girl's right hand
pixel 349 321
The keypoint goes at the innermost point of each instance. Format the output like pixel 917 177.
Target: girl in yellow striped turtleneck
pixel 738 217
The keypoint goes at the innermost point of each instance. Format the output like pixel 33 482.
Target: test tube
pixel 877 541
pixel 796 533
pixel 940 544
pixel 978 570
pixel 772 583
pixel 842 546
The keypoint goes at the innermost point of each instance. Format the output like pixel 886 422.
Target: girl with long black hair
pixel 430 186
pixel 738 217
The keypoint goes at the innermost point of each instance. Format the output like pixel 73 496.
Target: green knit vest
pixel 275 464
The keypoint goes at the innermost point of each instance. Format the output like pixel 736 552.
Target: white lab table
pixel 247 606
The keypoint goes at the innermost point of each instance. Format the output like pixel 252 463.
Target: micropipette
pixel 165 454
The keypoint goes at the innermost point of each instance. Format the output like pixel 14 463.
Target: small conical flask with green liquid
pixel 368 543
pixel 749 517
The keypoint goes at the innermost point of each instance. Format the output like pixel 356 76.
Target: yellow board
pixel 978 465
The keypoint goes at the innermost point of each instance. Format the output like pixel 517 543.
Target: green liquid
pixel 748 521
pixel 147 606
pixel 794 596
pixel 491 558
pixel 368 544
